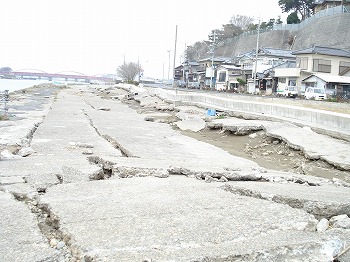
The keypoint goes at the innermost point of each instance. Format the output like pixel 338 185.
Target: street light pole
pixel 169 65
pixel 173 84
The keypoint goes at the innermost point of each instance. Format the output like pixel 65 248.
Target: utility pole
pixel 138 68
pixel 256 55
pixel 169 65
pixel 212 61
pixel 174 58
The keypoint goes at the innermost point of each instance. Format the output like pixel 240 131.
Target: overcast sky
pixel 94 36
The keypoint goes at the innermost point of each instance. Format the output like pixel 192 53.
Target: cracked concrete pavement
pixel 312 144
pixel 103 184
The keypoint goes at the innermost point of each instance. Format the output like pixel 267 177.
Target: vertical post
pixel 138 68
pixel 174 58
pixel 256 55
pixel 212 62
pixel 6 99
pixel 169 65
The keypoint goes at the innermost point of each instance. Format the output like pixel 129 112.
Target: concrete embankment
pixel 331 123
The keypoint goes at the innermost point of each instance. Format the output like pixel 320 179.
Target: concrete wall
pixel 318 118
pixel 330 31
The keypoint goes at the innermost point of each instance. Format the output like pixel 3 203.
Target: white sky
pixel 92 36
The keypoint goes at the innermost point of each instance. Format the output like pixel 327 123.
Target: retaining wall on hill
pixel 329 31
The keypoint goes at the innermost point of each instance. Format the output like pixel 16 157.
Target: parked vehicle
pixel 290 91
pixel 194 85
pixel 315 93
pixel 180 83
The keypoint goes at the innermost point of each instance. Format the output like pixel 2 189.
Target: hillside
pixel 330 31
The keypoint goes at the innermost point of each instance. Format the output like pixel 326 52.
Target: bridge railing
pixel 4 98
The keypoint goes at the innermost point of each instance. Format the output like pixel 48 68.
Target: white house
pixel 321 60
pixel 333 84
pixel 226 76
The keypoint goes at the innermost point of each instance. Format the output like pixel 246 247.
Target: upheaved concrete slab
pixel 314 145
pixel 177 219
pixel 323 201
pixel 20 237
pixel 238 126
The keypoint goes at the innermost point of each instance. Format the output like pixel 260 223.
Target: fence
pixel 323 13
pixel 4 98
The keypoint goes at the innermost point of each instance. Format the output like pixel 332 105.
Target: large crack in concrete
pixel 317 208
pixel 109 139
pixel 49 226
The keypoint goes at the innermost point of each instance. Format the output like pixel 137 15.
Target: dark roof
pixel 276 52
pixel 323 51
pixel 216 59
pixel 267 51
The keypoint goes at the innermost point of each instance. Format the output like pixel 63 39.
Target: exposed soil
pixel 268 153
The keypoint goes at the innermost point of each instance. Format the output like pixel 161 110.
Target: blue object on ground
pixel 211 112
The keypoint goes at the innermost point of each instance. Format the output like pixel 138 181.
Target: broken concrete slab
pixel 323 201
pixel 21 239
pixel 237 126
pixel 190 122
pixel 312 144
pixel 161 219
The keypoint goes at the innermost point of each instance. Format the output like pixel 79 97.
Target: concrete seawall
pixel 337 123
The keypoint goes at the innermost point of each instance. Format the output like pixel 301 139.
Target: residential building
pixel 324 60
pixel 210 64
pixel 333 84
pixel 227 76
pixel 267 58
pixel 320 5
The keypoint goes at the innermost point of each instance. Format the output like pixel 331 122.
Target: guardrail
pixel 4 98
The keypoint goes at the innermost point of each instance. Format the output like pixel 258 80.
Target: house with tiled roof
pixel 267 58
pixel 324 60
pixel 320 5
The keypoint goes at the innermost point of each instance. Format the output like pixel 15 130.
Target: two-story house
pixel 321 61
pixel 210 64
pixel 267 58
pixel 227 76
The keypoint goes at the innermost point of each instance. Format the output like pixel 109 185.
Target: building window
pixel 322 65
pixel 343 67
pixel 302 63
pixel 222 76
pixel 310 84
pixel 292 82
pixel 282 80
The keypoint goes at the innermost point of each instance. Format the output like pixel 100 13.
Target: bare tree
pixel 241 21
pixel 128 71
